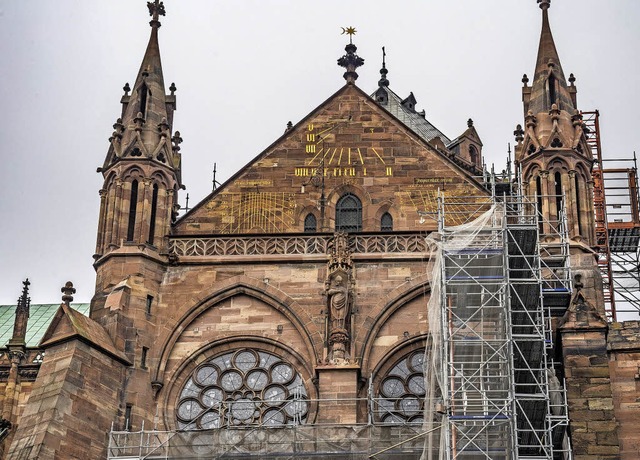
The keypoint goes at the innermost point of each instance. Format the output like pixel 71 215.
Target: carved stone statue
pixel 338 302
pixel 339 310
pixel 339 291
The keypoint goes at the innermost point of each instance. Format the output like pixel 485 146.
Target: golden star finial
pixel 351 31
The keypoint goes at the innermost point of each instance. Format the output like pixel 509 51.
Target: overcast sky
pixel 243 70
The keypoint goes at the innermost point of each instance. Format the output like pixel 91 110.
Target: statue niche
pixel 339 292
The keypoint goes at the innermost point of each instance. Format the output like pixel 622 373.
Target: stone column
pixel 102 222
pixel 546 210
pixel 144 210
pixel 573 205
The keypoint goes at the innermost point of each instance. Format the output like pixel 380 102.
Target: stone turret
pixel 142 168
pixel 552 149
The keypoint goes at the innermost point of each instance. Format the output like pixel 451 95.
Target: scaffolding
pixel 498 281
pixel 620 185
pixel 373 439
pixel 617 225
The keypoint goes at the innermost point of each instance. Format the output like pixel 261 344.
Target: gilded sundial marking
pixel 426 200
pixel 324 157
pixel 257 211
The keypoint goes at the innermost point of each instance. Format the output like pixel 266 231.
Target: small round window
pixel 241 388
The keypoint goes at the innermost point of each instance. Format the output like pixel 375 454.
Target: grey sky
pixel 244 68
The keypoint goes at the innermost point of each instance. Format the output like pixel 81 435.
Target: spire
pixel 150 81
pixel 549 83
pixel 383 71
pixel 350 61
pixel 144 128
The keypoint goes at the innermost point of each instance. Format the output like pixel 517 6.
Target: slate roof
pixel 412 119
pixel 40 316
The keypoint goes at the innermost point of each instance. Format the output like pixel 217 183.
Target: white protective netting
pixel 466 399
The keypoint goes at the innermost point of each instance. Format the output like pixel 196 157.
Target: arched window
pixel 349 214
pixel 579 213
pixel 559 195
pixel 552 90
pixel 154 211
pixel 143 99
pixel 473 155
pixel 133 205
pixel 539 202
pixel 310 223
pixel 386 222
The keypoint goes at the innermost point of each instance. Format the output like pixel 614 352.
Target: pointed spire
pixel 350 61
pixel 549 83
pixel 383 71
pixel 147 115
pixel 150 77
pixel 147 105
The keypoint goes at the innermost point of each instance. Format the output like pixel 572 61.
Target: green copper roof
pixel 40 316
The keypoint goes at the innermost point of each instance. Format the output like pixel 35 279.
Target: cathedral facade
pixel 295 294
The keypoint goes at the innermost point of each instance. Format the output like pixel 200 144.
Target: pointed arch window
pixel 349 214
pixel 386 222
pixel 473 155
pixel 578 198
pixel 539 203
pixel 559 195
pixel 143 99
pixel 552 89
pixel 133 205
pixel 154 211
pixel 310 223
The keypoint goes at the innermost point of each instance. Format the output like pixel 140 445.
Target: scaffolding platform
pixel 501 282
pixel 301 442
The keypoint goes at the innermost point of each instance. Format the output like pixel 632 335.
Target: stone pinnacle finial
pixel 24 301
pixel 350 61
pixel 156 9
pixel 383 71
pixel 544 4
pixel 519 133
pixel 68 290
pixel 21 318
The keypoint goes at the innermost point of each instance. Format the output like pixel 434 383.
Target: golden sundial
pixel 326 154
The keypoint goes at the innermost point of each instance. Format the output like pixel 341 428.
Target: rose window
pixel 243 387
pixel 401 392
